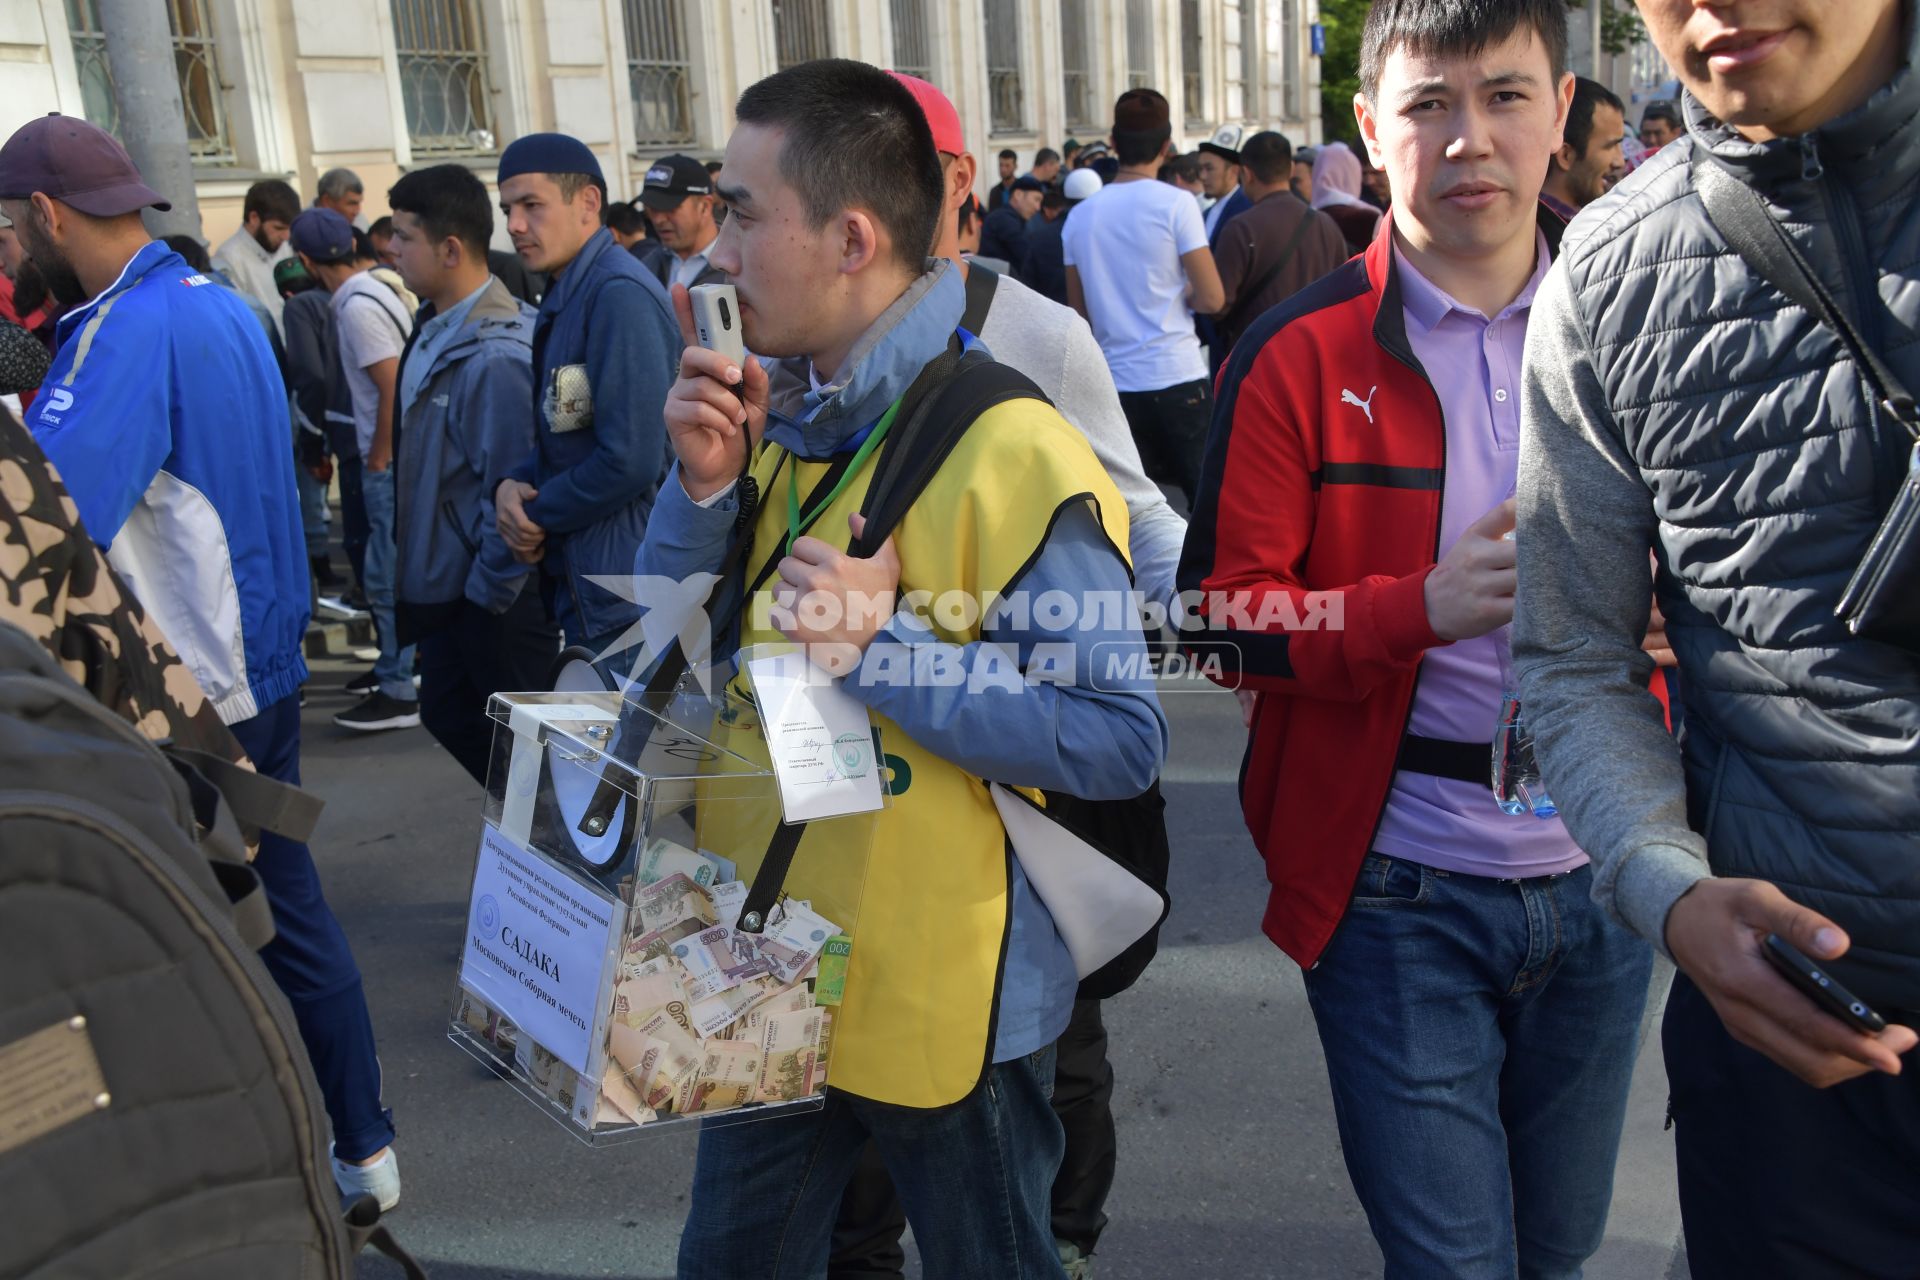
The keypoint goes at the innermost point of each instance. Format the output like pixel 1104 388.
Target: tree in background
pixel 1340 68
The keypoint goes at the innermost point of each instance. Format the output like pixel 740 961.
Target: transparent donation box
pixel 603 970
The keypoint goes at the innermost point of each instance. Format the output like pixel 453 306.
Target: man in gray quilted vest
pixel 1677 401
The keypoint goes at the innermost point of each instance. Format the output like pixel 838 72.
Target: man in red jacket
pixel 1478 1012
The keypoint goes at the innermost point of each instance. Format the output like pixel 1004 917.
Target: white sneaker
pixel 381 1179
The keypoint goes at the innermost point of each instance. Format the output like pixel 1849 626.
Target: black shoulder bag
pixel 1882 599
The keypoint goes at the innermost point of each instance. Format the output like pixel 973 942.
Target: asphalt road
pixel 1230 1163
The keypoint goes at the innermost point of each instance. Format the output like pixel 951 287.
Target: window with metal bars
pixel 1006 99
pixel 658 72
pixel 443 76
pixel 912 42
pixel 801 32
pixel 194 59
pixel 1076 38
pixel 1139 44
pixel 1191 85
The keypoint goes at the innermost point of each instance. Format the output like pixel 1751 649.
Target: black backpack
pixel 158 1117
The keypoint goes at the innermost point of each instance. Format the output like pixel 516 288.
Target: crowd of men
pixel 1474 447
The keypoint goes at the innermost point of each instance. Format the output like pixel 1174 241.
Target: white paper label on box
pixel 540 947
pixel 819 736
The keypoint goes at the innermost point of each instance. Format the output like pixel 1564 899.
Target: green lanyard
pixel 795 523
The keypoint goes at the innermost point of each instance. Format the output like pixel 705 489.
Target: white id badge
pixel 819 737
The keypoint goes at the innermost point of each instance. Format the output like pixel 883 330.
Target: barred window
pixel 1075 40
pixel 443 76
pixel 1139 44
pixel 1006 101
pixel 800 31
pixel 912 42
pixel 658 72
pixel 194 59
pixel 1192 88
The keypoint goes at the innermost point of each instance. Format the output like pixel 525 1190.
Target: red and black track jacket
pixel 1322 483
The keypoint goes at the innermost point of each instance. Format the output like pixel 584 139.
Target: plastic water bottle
pixel 1517 784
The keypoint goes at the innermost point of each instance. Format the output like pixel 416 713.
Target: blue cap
pixel 322 235
pixel 549 153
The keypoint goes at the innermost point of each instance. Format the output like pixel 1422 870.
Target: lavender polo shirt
pixel 1474 366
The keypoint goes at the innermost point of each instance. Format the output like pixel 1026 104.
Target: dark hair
pixel 1268 156
pixel 1010 155
pixel 1071 149
pixel 1456 29
pixel 1140 146
pixel 1663 109
pixel 382 225
pixel 625 218
pixel 273 200
pixel 1184 168
pixel 1588 95
pixel 191 249
pixel 449 201
pixel 854 137
pixel 363 247
pixel 1054 199
pixel 1045 155
pixel 713 166
pixel 968 213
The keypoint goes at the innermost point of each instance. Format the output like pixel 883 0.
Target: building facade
pixel 291 88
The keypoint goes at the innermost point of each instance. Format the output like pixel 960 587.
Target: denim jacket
pixel 457 440
pixel 598 458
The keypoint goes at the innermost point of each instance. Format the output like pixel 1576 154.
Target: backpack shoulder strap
pixel 921 446
pixel 981 283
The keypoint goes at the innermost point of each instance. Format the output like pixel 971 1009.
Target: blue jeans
pixel 975 1178
pixel 313 505
pixel 394 667
pixel 1480 1037
pixel 309 957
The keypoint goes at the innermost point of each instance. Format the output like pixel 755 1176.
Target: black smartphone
pixel 1820 987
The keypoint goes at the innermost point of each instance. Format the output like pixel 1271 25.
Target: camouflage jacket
pixel 56 585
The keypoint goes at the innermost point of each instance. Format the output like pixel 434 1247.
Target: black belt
pixel 1461 761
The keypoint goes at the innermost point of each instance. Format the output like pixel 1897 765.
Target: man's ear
pixel 1562 159
pixel 48 212
pixel 961 175
pixel 1369 128
pixel 860 244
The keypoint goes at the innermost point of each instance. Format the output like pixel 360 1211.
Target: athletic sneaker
pixel 1078 1265
pixel 336 609
pixel 381 1179
pixel 363 684
pixel 378 712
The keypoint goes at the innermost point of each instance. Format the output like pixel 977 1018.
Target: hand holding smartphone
pixel 1812 978
pixel 717 408
pixel 716 320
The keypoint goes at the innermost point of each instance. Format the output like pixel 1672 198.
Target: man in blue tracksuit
pixel 605 349
pixel 465 380
pixel 167 419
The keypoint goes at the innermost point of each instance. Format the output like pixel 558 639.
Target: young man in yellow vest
pixel 958 983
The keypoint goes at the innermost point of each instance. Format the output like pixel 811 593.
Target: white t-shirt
pixel 1126 244
pixel 372 325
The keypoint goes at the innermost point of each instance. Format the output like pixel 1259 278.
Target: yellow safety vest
pixel 922 885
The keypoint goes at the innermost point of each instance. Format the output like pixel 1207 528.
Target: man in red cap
pixel 1052 345
pixel 165 414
